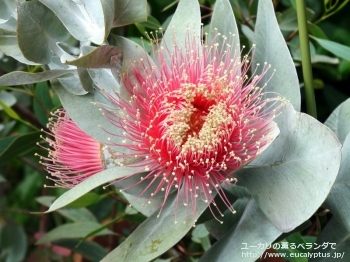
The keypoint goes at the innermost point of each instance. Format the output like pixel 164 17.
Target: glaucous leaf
pixel 324 59
pixel 334 232
pixel 229 219
pixel 339 50
pixel 103 79
pixel 226 26
pixel 132 55
pixel 294 175
pixel 73 83
pixel 8 16
pixel 84 19
pixel 271 48
pixel 248 32
pixel 253 228
pixel 142 207
pixel 152 238
pixel 86 113
pixel 89 184
pixel 129 12
pixel 39 24
pixel 74 214
pixel 338 199
pixel 9 45
pixel 72 230
pixel 7 10
pixel 99 57
pixel 339 121
pixel 23 78
pixel 185 22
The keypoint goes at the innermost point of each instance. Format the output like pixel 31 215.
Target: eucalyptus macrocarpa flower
pixel 73 155
pixel 193 117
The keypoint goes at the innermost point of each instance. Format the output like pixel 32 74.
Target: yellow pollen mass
pixel 198 118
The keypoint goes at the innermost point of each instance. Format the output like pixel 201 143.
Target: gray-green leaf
pixel 339 121
pixel 253 228
pixel 271 48
pixel 294 175
pixel 72 230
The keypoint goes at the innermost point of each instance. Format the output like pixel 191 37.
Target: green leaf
pixel 297 239
pixel 89 184
pixel 42 103
pixel 99 57
pixel 185 23
pixel 2 179
pixel 316 31
pixel 11 113
pixel 5 131
pixel 226 26
pixel 74 214
pixel 85 200
pixel 339 50
pixel 288 20
pixel 13 243
pixel 23 78
pixel 72 230
pixel 334 232
pixel 151 23
pixel 13 146
pixel 129 12
pixel 7 98
pixel 271 48
pixel 294 175
pixel 42 27
pixel 295 49
pixel 218 230
pixel 156 235
pixel 248 33
pixel 253 229
pixel 200 235
pixel 339 120
pixel 90 250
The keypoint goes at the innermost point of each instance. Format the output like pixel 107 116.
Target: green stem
pixel 305 58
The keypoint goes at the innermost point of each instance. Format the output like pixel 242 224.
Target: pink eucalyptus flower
pixel 194 117
pixel 73 155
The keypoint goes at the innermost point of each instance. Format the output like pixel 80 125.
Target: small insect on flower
pixel 195 117
pixel 73 155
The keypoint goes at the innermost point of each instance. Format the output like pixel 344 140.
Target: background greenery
pixel 104 214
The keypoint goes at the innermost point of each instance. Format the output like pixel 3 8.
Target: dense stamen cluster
pixel 73 155
pixel 195 117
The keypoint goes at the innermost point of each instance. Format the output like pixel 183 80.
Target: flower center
pixel 197 120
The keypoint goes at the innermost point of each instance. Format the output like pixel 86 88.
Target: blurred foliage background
pixel 24 110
